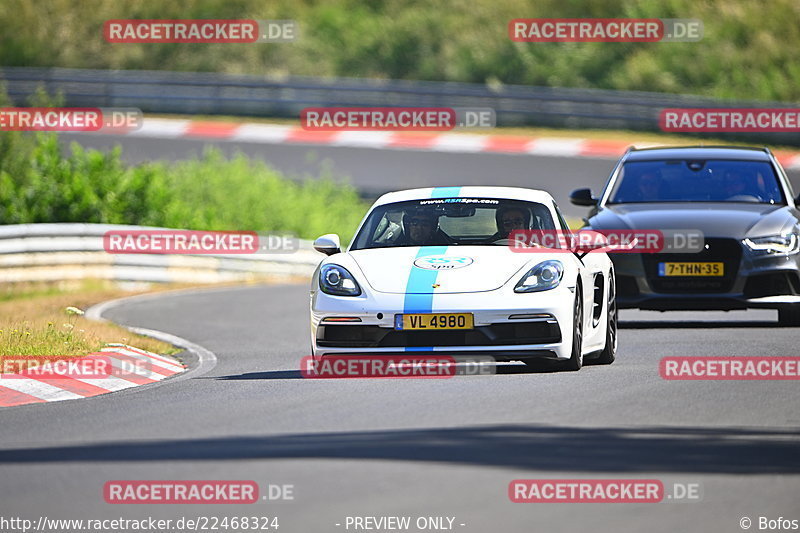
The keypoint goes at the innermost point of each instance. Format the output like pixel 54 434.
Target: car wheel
pixel 609 352
pixel 789 316
pixel 575 362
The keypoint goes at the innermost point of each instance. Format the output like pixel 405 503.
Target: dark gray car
pixel 742 202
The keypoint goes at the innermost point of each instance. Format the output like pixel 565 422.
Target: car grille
pixel 727 251
pixel 503 334
pixel 772 284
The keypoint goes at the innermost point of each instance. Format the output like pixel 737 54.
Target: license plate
pixel 691 269
pixel 433 321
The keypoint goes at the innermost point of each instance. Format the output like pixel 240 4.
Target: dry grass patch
pixel 46 321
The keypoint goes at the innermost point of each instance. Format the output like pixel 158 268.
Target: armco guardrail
pixel 222 94
pixel 51 252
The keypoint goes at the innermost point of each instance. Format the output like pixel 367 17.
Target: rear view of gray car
pixel 742 202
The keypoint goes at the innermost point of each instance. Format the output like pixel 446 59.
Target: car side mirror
pixel 328 244
pixel 582 197
pixel 585 241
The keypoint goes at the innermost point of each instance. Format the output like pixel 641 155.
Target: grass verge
pixel 34 321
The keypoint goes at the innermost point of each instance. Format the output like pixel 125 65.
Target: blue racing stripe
pixel 419 287
pixel 446 192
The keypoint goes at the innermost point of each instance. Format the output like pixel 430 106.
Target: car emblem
pixel 442 262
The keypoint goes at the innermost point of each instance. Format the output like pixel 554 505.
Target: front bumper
pixel 751 281
pixel 496 333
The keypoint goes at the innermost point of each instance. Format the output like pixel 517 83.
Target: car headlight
pixel 336 280
pixel 544 276
pixel 788 243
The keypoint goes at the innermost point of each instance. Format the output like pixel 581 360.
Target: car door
pixel 594 270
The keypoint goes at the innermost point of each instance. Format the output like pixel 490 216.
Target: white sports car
pixel 432 271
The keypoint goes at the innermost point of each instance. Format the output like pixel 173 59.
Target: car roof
pixel 699 152
pixel 506 193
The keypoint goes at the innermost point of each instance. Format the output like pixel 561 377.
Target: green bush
pixel 38 183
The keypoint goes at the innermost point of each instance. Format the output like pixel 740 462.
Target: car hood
pixel 720 219
pixel 455 269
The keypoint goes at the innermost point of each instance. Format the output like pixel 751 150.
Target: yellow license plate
pixel 691 269
pixel 433 321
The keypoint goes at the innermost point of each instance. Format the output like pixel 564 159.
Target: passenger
pixel 649 185
pixel 737 186
pixel 510 219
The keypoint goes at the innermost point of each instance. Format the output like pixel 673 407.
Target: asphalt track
pixel 419 447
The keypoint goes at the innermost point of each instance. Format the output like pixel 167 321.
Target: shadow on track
pixel 271 374
pixel 695 324
pixel 295 374
pixel 547 448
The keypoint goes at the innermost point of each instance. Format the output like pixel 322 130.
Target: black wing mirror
pixel 583 197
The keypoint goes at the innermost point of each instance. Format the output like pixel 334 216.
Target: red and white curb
pixel 141 368
pixel 389 140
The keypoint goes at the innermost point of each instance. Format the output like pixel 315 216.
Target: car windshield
pixel 697 181
pixel 450 221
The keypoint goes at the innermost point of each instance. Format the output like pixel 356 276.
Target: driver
pixel 421 228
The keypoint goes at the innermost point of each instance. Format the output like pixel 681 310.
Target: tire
pixel 789 316
pixel 609 353
pixel 575 361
